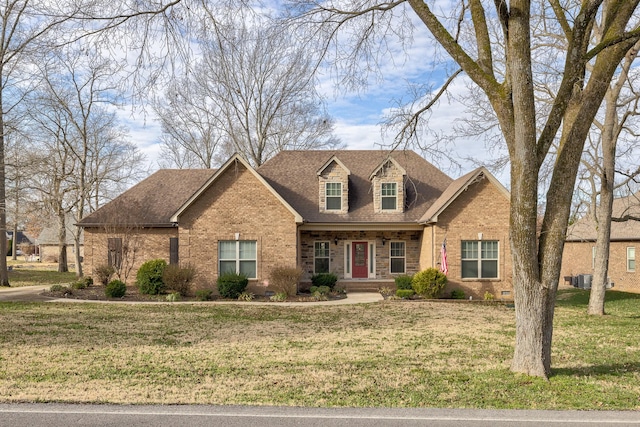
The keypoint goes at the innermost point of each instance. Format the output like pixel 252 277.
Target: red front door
pixel 359 258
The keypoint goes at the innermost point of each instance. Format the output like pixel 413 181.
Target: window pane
pixel 334 203
pixel 348 258
pixel 227 267
pixel 469 269
pixel 322 265
pixel 489 269
pixel 322 249
pixel 632 265
pixel 389 189
pixel 397 265
pixel 489 250
pixel 389 203
pixel 248 268
pixel 333 189
pixel 227 250
pixel 248 250
pixel 469 250
pixel 397 248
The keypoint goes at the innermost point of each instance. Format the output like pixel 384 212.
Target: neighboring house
pixel 48 243
pixel 579 249
pixel 367 216
pixel 23 241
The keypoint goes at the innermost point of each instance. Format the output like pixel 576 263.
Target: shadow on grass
pixel 580 297
pixel 615 369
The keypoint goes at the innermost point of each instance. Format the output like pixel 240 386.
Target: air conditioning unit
pixel 584 281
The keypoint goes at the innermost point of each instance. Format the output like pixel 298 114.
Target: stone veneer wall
pixel 388 174
pixel 333 173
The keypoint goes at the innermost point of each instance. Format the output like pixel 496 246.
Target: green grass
pixel 394 353
pixel 29 277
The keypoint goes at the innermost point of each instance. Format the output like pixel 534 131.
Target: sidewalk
pixel 32 293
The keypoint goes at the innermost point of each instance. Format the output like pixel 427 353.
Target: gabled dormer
pixel 387 181
pixel 333 187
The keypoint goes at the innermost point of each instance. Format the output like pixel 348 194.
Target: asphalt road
pixel 59 415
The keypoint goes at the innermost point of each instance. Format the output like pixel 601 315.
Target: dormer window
pixel 333 196
pixel 389 194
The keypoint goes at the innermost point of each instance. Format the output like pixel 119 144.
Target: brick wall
pixel 142 244
pixel 577 258
pixel 482 208
pixel 237 207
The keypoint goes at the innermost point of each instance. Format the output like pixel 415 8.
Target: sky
pixel 358 115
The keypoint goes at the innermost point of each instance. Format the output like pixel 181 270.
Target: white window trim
pixel 629 258
pixel 383 197
pixel 404 257
pixel 480 259
pixel 237 257
pixel 326 196
pixel 328 257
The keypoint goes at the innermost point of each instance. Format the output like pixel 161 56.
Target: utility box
pixel 584 281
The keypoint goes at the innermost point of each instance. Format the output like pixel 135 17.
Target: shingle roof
pixel 153 201
pixel 49 234
pixel 293 174
pixel 585 228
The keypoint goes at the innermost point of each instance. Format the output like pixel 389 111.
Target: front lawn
pixel 393 353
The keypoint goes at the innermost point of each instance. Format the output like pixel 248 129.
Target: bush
pixel 231 285
pixel 204 294
pixel 429 283
pixel 78 284
pixel 115 289
pixel 246 296
pixel 285 279
pixel 405 293
pixel 173 297
pixel 323 290
pixel 149 277
pixel 278 297
pixel 313 289
pixel 58 288
pixel 457 294
pixel 488 296
pixel 324 279
pixel 178 278
pixel 103 273
pixel 404 282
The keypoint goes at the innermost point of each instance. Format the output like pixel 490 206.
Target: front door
pixel 359 260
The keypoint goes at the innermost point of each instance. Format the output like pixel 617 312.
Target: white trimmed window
pixel 480 259
pixel 389 196
pixel 397 255
pixel 333 196
pixel 238 256
pixel 321 257
pixel 631 258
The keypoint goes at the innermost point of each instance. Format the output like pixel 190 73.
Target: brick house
pixel 579 249
pixel 367 216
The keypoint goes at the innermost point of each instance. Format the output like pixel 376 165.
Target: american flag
pixel 444 267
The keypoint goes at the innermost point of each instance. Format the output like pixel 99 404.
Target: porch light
pixel 335 240
pixel 384 241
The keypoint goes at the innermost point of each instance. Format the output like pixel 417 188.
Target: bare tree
pixel 253 92
pixel 468 38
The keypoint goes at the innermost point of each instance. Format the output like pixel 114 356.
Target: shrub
pixel 88 280
pixel 324 279
pixel 178 278
pixel 404 282
pixel 231 285
pixel 285 279
pixel 58 288
pixel 457 294
pixel 429 283
pixel 78 284
pixel 323 290
pixel 405 293
pixel 149 277
pixel 246 296
pixel 488 296
pixel 173 297
pixel 115 289
pixel 204 294
pixel 279 297
pixel 103 273
pixel 385 292
pixel 313 289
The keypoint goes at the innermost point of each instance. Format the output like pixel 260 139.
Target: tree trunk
pixel 78 258
pixel 4 273
pixel 63 265
pixel 14 245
